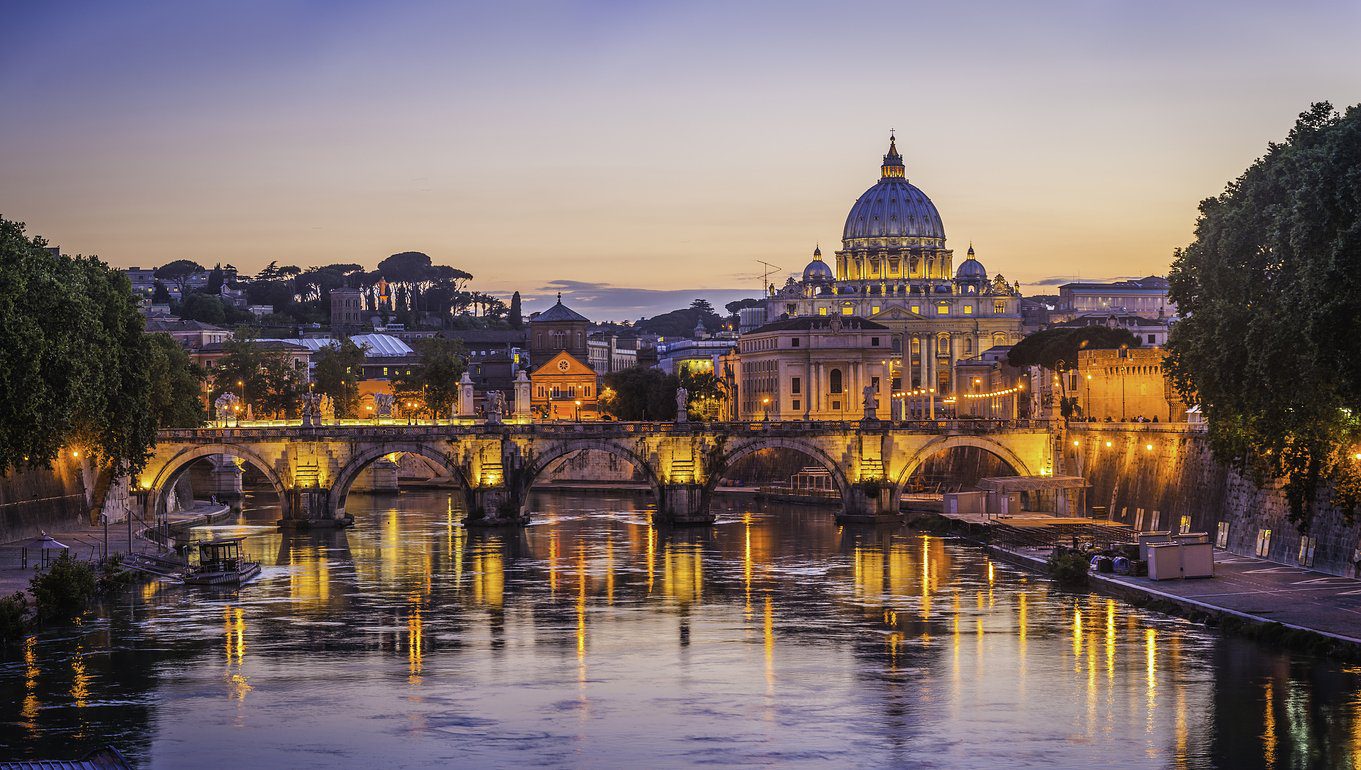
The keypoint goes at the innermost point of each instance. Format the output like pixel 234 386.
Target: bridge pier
pixel 226 477
pixel 684 505
pixel 869 503
pixel 310 508
pixel 495 506
pixel 383 476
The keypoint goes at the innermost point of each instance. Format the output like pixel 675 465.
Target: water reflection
pixel 598 639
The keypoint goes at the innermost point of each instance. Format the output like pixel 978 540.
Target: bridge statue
pixel 227 406
pixel 494 404
pixel 871 403
pixel 382 405
pixel 682 404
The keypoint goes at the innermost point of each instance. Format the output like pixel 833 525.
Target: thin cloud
pixel 605 302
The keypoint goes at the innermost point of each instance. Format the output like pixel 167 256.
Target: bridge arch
pixel 746 447
pixel 946 443
pixel 170 472
pixel 541 461
pixel 340 487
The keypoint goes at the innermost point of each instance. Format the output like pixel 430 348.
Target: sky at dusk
pixel 635 155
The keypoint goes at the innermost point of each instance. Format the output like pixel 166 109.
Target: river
pixel 593 639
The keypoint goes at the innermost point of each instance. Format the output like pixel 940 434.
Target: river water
pixel 593 639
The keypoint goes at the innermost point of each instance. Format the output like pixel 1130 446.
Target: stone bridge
pixel 313 468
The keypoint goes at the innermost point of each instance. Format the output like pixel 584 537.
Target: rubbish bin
pixel 1164 561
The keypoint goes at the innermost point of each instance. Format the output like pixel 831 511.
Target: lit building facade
pixel 894 269
pixel 1143 296
pixel 1126 384
pixel 812 368
pixel 563 386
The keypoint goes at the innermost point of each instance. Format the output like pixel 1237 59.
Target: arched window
pixel 834 381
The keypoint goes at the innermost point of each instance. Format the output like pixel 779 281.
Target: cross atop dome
pixel 893 162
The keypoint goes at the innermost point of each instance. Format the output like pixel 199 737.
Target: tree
pixel 682 323
pixel 337 373
pixel 705 390
pixel 442 363
pixel 1270 291
pixel 517 319
pixel 73 359
pixel 176 382
pixel 1052 346
pixel 179 272
pixel 207 308
pixel 159 294
pixel 265 379
pixel 742 304
pixel 640 394
pixel 215 280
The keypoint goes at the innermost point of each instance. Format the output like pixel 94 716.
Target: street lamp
pixel 765 407
pixel 578 403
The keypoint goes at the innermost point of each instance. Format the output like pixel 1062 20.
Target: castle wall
pixel 1169 469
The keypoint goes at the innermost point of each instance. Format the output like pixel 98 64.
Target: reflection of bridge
pixel 312 469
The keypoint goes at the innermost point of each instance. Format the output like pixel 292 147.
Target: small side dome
pixel 817 270
pixel 971 269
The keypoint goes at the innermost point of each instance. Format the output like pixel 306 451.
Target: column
pixel 954 374
pixel 921 359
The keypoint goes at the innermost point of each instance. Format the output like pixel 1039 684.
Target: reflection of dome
pixel 817 270
pixel 971 269
pixel 893 208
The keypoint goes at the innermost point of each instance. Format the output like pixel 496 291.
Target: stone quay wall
pixel 49 498
pixel 1153 474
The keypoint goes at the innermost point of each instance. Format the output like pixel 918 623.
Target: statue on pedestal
pixel 871 403
pixel 682 404
pixel 382 404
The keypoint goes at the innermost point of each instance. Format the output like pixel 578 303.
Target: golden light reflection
pixel 926 578
pixel 683 572
pixel 489 576
pixel 1269 728
pixel 768 627
pixel 234 632
pixel 1077 638
pixel 1110 639
pixel 80 678
pixel 609 567
pixel 30 707
pixel 651 556
pixel 415 639
pixel 746 562
pixel 1151 658
pixel 553 551
pixel 992 573
pixel 581 602
pixel 1022 622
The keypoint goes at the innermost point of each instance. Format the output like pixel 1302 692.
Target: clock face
pixel 563 365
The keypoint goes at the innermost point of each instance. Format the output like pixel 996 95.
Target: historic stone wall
pixel 1168 469
pixel 43 498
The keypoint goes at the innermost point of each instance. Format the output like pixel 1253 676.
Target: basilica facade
pixel 894 270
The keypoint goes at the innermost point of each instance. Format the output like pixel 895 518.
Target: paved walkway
pixel 87 543
pixel 1293 596
pixel 1253 588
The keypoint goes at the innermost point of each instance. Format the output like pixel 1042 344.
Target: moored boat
pixel 220 562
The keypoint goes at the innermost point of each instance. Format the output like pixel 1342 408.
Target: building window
pixel 795 385
pixel 874 383
pixel 796 404
pixel 847 310
pixel 999 307
pixel 1150 339
pixel 942 309
pixel 874 310
pixel 834 381
pixel 822 311
pixel 874 342
pixel 916 309
pixel 794 343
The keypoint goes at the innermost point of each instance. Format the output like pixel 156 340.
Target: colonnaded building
pixel 894 314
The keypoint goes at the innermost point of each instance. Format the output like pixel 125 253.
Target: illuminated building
pixel 563 386
pixel 812 368
pixel 1125 384
pixel 894 269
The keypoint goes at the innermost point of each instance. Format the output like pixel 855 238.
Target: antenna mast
pixel 765 276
